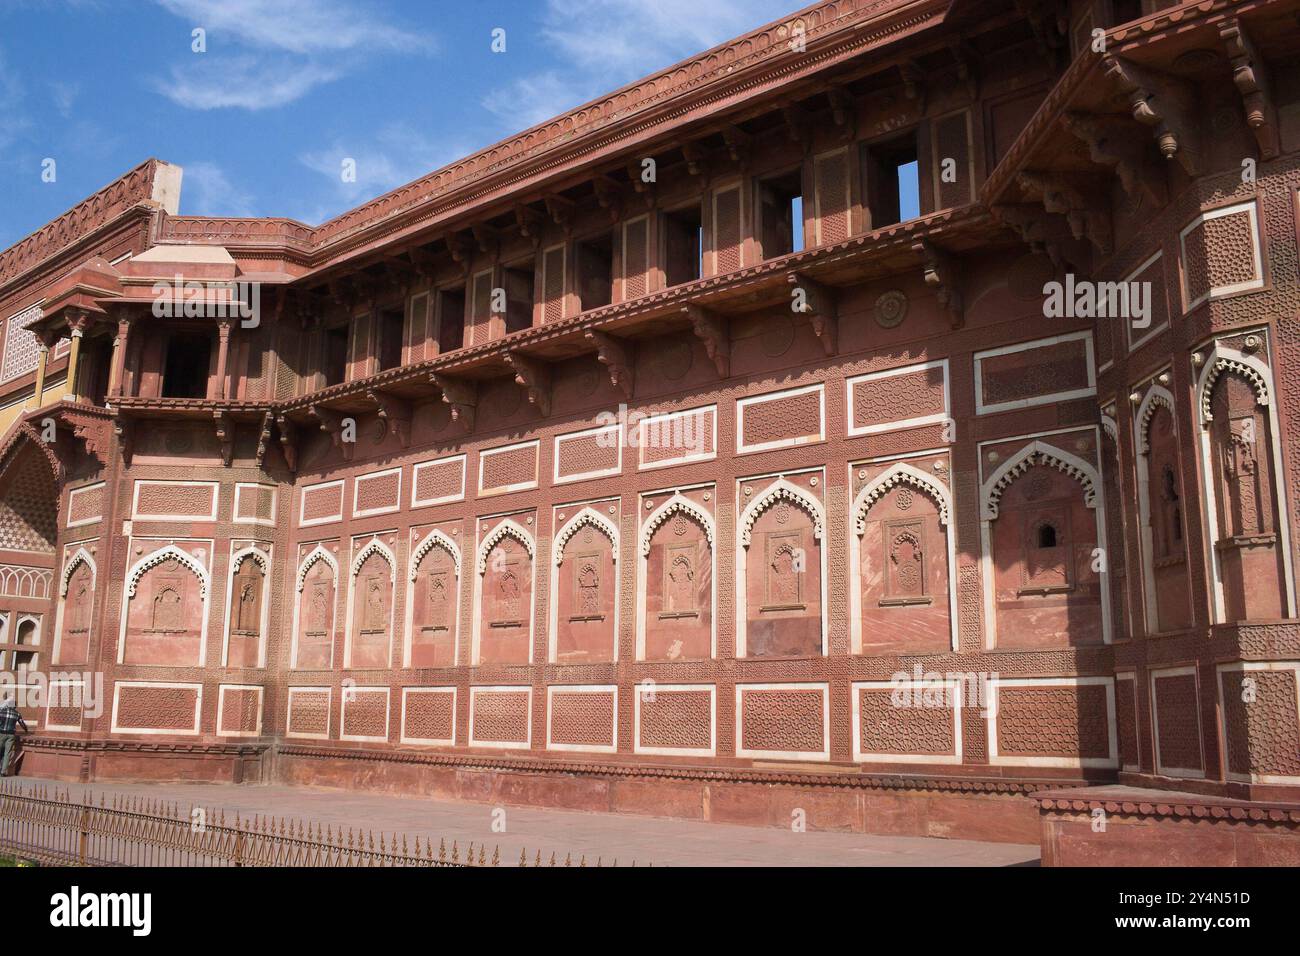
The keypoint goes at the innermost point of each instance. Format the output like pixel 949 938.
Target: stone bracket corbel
pixel 534 375
pixel 617 356
pixel 712 329
pixel 611 195
pixel 331 422
pixel 225 429
pixel 843 114
pixel 531 222
pixel 461 395
pixel 1251 79
pixel 264 437
pixel 124 429
pixel 1165 104
pixel 1078 198
pixel 562 212
pixel 288 441
pixel 1043 232
pixel 943 274
pixel 395 411
pixel 818 307
pixel 914 84
pixel 1114 141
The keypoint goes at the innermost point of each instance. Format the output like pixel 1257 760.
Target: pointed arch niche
pixel 315 602
pixel 75 614
pixel 1245 512
pixel 372 586
pixel 247 608
pixel 432 602
pixel 504 596
pixel 165 608
pixel 902 563
pixel 1041 522
pixel 677 577
pixel 584 585
pixel 781 567
pixel 1162 513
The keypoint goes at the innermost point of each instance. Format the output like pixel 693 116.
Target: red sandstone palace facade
pixel 627 463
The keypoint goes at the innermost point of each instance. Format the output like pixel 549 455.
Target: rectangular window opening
pixel 595 259
pixel 781 214
pixel 336 355
pixel 893 181
pixel 391 328
pixel 683 245
pixel 518 283
pixel 186 367
pixel 451 319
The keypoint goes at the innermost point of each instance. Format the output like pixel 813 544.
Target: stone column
pixel 77 323
pixel 117 370
pixel 223 354
pixel 42 357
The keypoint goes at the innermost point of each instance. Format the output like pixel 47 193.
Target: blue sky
pixel 287 89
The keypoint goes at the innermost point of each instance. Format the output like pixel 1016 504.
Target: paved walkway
pixel 608 835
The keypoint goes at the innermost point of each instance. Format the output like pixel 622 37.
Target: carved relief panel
pixel 435 606
pixel 903 588
pixel 78 606
pixel 677 578
pixel 372 607
pixel 1046 591
pixel 1165 514
pixel 166 604
pixel 247 597
pixel 317 591
pixel 505 624
pixel 781 532
pixel 586 587
pixel 1248 549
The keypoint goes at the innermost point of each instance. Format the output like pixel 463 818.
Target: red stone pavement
pixel 625 837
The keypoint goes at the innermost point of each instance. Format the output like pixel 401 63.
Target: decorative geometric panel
pixel 141 707
pixel 594 453
pixel 1053 721
pixel 1261 721
pixel 582 718
pixel 1221 254
pixel 309 713
pixel 636 258
pixel 29 508
pixel 429 715
pixel 782 720
pixel 321 503
pixel 255 503
pixel 907 723
pixel 511 468
pixel 727 230
pixel 898 398
pixel 365 714
pixel 677 437
pixel 240 711
pixel 176 499
pixel 499 716
pixel 85 504
pixel 1176 707
pixel 377 493
pixel 1035 373
pixel 780 419
pixel 436 482
pixel 675 719
pixel 21 348
pixel 831 181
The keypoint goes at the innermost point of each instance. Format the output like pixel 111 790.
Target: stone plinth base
pixel 898 805
pixel 85 761
pixel 1129 826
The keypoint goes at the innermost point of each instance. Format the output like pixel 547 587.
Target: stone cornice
pixel 1150 803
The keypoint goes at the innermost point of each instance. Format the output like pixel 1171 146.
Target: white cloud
pixel 261 54
pixel 206 191
pixel 296 26
pixel 605 44
pixel 64 95
pixel 242 82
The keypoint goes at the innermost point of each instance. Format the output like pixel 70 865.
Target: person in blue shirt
pixel 10 720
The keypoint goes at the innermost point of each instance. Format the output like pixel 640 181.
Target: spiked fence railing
pixel 52 827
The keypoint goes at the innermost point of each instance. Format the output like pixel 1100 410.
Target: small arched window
pixel 1046 536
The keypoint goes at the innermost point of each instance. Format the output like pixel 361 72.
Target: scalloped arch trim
pixel 591 518
pixel 506 529
pixel 1039 453
pixel 375 546
pixel 317 554
pixel 1234 363
pixel 171 552
pixel 676 503
pixel 434 539
pixel 900 474
pixel 81 557
pixel 781 490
